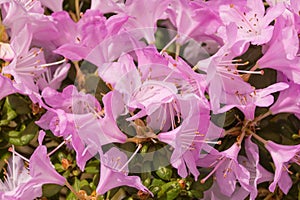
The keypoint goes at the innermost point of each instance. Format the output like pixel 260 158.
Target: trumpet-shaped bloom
pixel 288 100
pixel 6 87
pixel 24 183
pixel 252 22
pixel 114 172
pixel 282 155
pixel 227 169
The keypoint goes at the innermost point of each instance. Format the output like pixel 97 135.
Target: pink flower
pixel 6 87
pixel 186 139
pixel 280 53
pixel 114 172
pixel 227 169
pixel 282 155
pixel 23 183
pixel 288 100
pixel 252 21
pixel 257 173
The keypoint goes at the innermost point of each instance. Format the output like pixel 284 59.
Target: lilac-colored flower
pixel 6 87
pixel 193 19
pixel 186 139
pixel 76 40
pixel 288 100
pixel 227 169
pixel 24 183
pixel 114 172
pixel 28 65
pixel 282 155
pixel 64 111
pixel 257 173
pixel 145 22
pixel 247 102
pixel 252 21
pixel 280 54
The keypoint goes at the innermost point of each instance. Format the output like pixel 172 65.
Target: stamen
pixel 54 63
pixel 213 171
pixel 60 145
pixel 169 44
pixel 261 72
pixel 228 169
pixel 16 153
pixel 136 151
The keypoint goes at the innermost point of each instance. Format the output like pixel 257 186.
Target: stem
pixel 177 51
pixel 258 137
pixel 79 75
pixel 234 129
pixel 241 137
pixel 72 189
pixel 77 9
pixel 260 117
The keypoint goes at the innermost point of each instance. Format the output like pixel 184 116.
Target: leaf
pixel 164 173
pixel 50 190
pixel 24 136
pixel 173 193
pixel 19 104
pixel 8 114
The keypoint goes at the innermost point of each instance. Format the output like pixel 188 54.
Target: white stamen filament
pixel 16 153
pixel 169 44
pixel 132 156
pixel 60 145
pixel 213 171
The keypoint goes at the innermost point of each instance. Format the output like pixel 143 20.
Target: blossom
pixel 188 16
pixel 76 40
pixel 288 100
pixel 23 183
pixel 114 167
pixel 251 20
pixel 285 38
pixel 257 173
pixel 282 155
pixel 227 169
pixel 6 87
pixel 186 139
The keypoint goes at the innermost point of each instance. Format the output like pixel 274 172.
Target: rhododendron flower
pixel 288 100
pixel 257 173
pixel 24 183
pixel 252 22
pixel 186 139
pixel 227 169
pixel 85 35
pixel 114 166
pixel 285 37
pixel 282 155
pixel 6 87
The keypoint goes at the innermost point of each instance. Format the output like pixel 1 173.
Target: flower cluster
pixel 154 74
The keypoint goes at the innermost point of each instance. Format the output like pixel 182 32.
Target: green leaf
pixel 157 182
pixel 164 173
pixel 50 190
pixel 24 136
pixel 173 193
pixel 19 104
pixel 8 113
pixel 166 187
